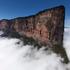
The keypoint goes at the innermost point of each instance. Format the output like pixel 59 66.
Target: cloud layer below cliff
pixel 14 56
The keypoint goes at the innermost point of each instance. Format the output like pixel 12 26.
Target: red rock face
pixel 45 27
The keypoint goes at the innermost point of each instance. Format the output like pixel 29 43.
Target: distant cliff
pixel 45 27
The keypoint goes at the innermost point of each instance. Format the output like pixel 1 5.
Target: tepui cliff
pixel 46 28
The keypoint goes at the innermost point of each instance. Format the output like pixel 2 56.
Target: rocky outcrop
pixel 46 27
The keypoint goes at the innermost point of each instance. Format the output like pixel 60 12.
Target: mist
pixel 14 56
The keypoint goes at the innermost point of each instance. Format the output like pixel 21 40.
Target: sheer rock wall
pixel 46 27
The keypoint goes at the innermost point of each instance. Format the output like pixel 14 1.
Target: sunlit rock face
pixel 44 28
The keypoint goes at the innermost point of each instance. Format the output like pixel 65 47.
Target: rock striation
pixel 45 27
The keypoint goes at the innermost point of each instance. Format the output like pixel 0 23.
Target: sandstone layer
pixel 45 27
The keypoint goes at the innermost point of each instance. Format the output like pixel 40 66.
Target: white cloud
pixel 67 41
pixel 15 56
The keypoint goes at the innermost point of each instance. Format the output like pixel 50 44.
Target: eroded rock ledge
pixel 44 28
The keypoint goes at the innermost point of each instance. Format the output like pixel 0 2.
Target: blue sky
pixel 18 8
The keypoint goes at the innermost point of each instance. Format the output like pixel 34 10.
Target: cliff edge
pixel 44 28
